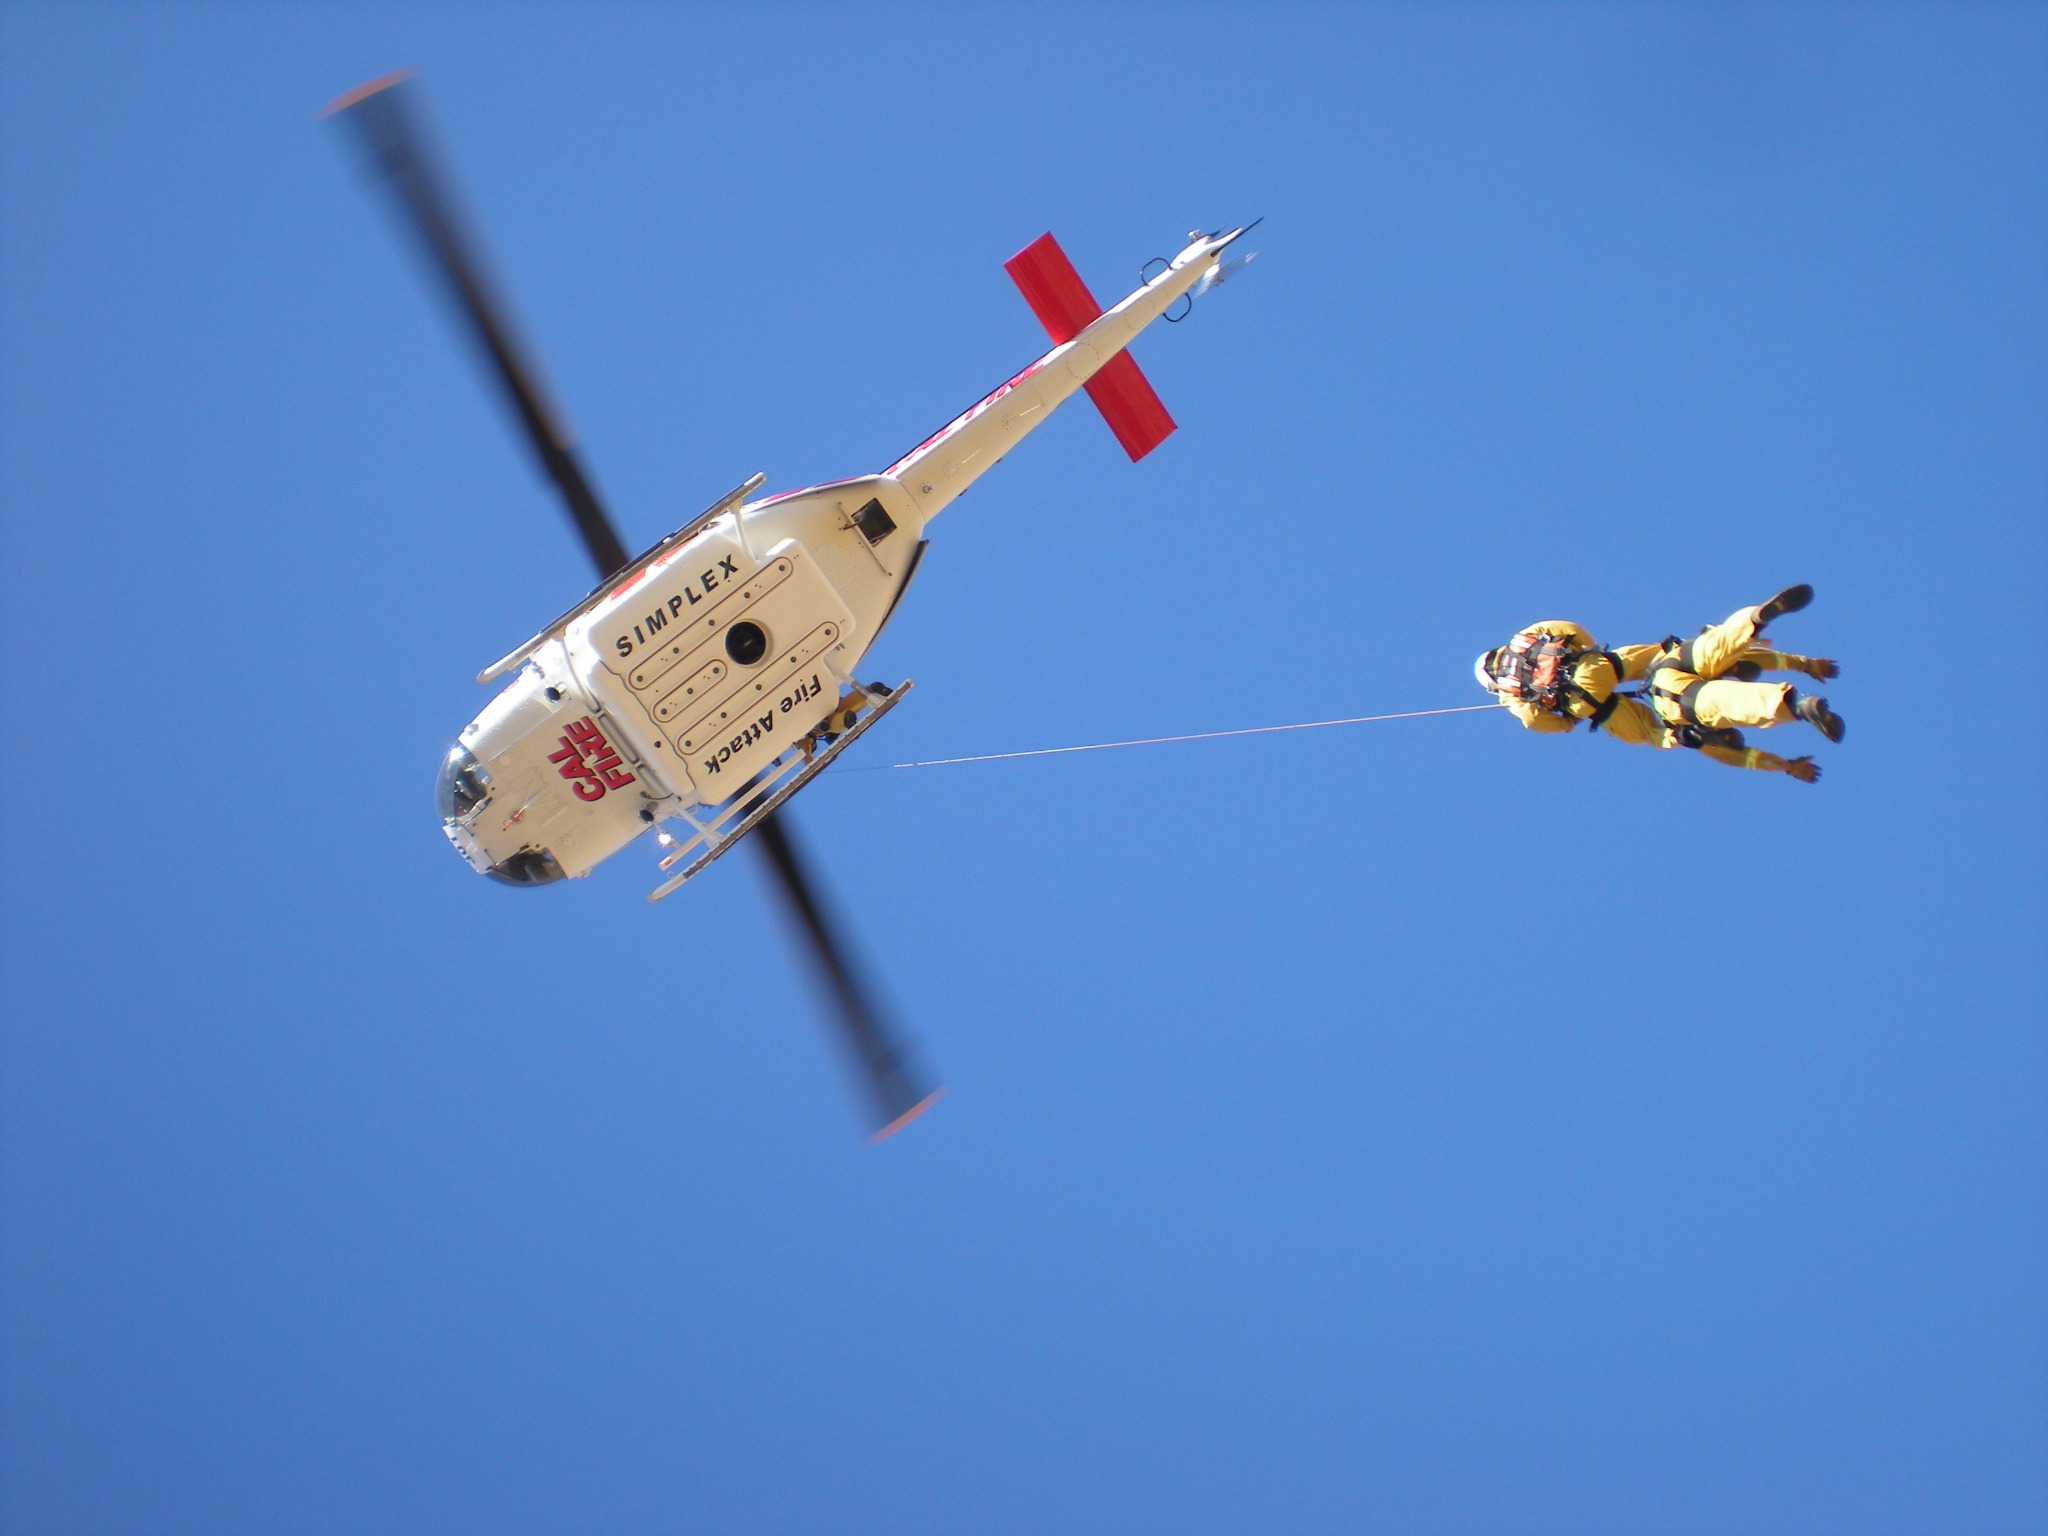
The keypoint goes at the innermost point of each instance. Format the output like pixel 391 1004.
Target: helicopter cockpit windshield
pixel 463 789
pixel 462 786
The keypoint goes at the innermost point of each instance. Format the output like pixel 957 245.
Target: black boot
pixel 1791 600
pixel 1815 712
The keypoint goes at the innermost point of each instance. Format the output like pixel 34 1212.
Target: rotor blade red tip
pixel 907 1116
pixel 364 91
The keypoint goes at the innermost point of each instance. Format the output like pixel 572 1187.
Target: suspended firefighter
pixel 1695 693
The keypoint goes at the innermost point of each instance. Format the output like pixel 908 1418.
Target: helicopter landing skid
pixel 791 773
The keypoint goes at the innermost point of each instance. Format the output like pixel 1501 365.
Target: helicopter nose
pixel 462 793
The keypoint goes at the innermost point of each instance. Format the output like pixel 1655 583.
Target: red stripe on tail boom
pixel 1065 308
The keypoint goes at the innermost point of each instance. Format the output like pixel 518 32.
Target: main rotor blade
pixel 384 114
pixel 896 1092
pixel 382 111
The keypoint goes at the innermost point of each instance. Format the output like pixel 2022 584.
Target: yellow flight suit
pixel 1687 686
pixel 1717 702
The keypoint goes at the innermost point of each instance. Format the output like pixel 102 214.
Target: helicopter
pixel 699 685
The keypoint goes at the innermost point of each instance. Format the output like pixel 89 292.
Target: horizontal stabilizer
pixel 1127 402
pixel 1053 289
pixel 1065 307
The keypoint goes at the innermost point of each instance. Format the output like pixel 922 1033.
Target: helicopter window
pixel 529 866
pixel 874 523
pixel 462 786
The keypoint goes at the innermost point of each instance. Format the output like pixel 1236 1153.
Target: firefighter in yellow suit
pixel 1697 693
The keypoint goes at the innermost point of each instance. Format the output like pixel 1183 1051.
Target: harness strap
pixel 1599 716
pixel 1686 698
pixel 1516 671
pixel 1570 689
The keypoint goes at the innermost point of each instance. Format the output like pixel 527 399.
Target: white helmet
pixel 1484 673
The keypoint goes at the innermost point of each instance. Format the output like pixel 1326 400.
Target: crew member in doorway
pixel 1696 693
pixel 845 713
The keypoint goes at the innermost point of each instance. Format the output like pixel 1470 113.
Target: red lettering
pixel 602 771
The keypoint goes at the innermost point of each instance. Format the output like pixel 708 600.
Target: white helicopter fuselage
pixel 685 678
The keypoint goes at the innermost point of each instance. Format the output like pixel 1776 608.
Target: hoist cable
pixel 1157 741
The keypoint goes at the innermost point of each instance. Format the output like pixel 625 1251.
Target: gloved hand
pixel 1804 769
pixel 1821 668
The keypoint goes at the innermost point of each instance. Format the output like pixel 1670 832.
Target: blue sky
pixel 1424 1127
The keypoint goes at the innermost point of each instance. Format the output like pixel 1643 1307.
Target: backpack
pixel 1535 669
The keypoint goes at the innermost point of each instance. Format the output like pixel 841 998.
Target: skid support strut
pixel 712 835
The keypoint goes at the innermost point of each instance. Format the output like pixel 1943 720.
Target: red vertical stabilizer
pixel 1065 308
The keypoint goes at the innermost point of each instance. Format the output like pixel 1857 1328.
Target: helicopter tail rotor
pixel 1222 273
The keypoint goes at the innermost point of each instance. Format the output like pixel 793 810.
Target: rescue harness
pixel 1686 730
pixel 1537 669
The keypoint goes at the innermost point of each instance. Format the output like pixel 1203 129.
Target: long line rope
pixel 1158 741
